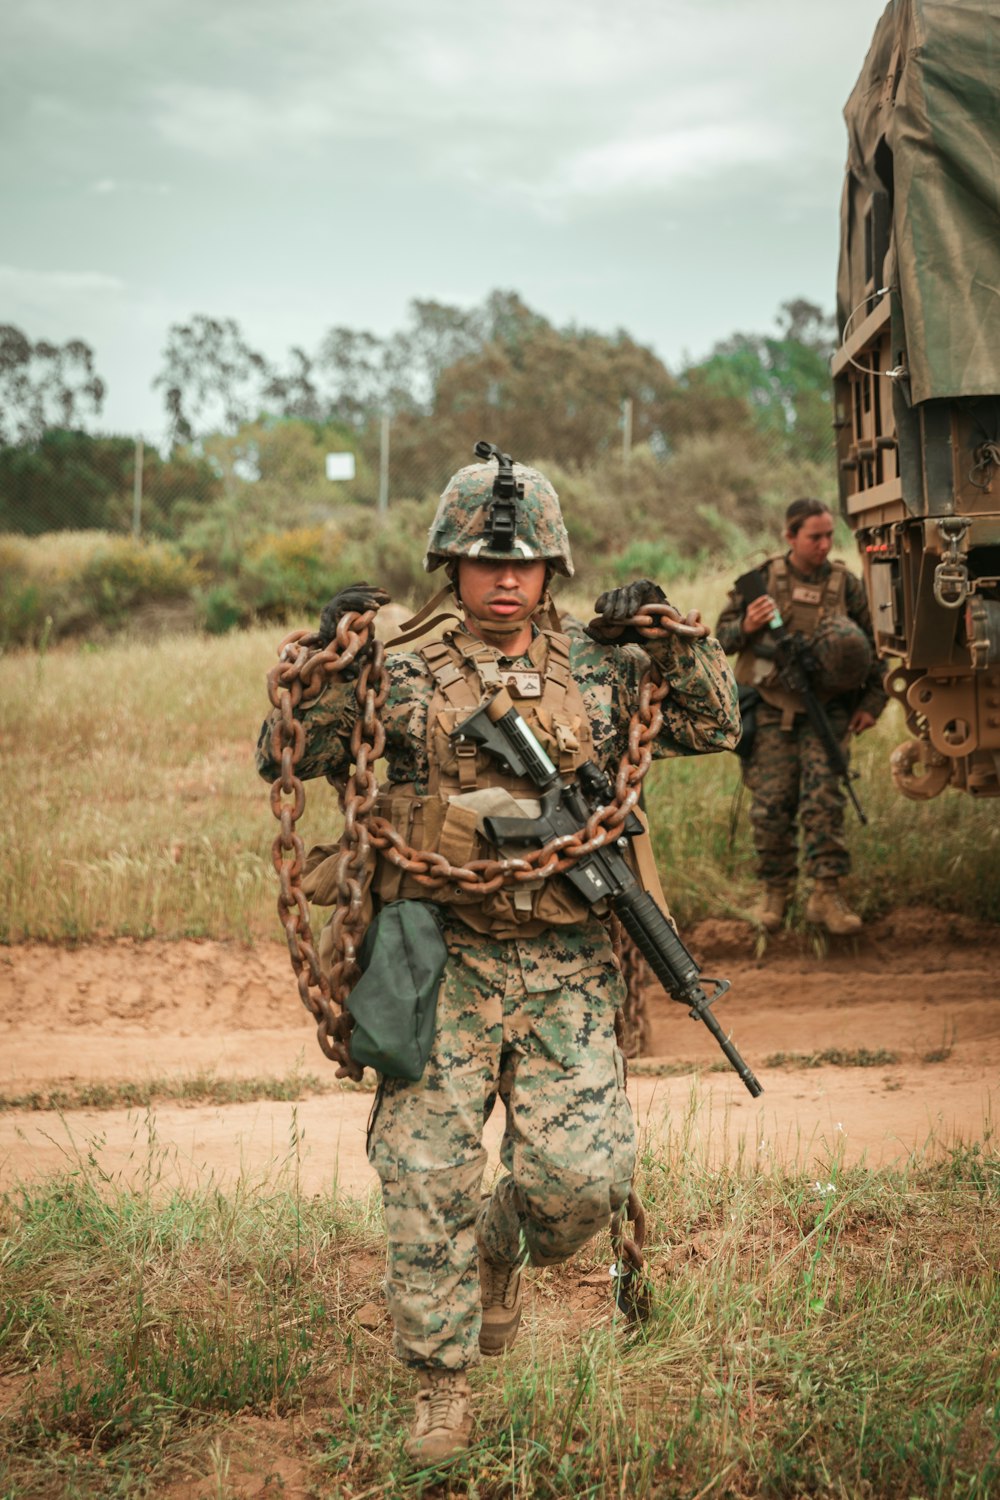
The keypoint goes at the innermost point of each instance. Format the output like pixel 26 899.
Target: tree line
pixel 448 377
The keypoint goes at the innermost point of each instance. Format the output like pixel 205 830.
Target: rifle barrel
pixel 676 970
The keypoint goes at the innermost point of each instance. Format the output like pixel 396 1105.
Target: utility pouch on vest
pixel 394 1003
pixel 749 699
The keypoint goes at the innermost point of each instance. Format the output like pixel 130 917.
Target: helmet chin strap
pixel 500 628
pixel 496 627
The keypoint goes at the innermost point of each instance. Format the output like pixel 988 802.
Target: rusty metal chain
pixel 657 621
pixel 302 672
pixel 631 1020
pixel 632 1291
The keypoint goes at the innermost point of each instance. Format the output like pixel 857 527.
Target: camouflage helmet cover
pixel 459 528
pixel 843 655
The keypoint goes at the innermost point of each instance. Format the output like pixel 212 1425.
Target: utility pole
pixel 382 508
pixel 626 431
pixel 137 489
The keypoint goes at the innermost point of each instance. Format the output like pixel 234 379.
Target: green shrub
pixel 704 504
pixel 68 583
pixel 221 609
pixel 290 571
pixel 123 573
pixel 393 554
pixel 704 501
pixel 22 609
pixel 656 560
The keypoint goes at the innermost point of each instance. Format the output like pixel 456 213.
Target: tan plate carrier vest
pixel 464 669
pixel 802 606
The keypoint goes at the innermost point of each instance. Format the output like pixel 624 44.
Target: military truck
pixel 917 378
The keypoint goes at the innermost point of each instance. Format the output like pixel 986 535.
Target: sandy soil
pixel 919 984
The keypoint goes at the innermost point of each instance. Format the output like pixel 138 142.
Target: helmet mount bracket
pixel 501 519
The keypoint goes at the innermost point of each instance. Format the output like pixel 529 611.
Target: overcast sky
pixel 671 167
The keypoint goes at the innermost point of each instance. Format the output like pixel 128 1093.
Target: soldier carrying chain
pixel 530 987
pixel 787 768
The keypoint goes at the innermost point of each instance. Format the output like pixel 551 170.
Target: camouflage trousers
pixel 531 1022
pixel 789 778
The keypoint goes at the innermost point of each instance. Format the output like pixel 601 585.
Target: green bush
pixel 393 554
pixel 656 560
pixel 240 557
pixel 67 479
pixel 123 573
pixel 22 607
pixel 290 571
pixel 70 583
pixel 704 502
pixel 221 610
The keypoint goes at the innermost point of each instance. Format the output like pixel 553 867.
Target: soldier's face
pixel 810 546
pixel 501 591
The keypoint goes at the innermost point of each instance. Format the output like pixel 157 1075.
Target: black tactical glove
pixel 355 598
pixel 617 605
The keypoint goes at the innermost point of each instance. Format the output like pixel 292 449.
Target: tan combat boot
pixel 442 1420
pixel 769 910
pixel 500 1292
pixel 827 908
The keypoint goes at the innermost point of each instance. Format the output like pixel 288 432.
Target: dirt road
pixel 920 985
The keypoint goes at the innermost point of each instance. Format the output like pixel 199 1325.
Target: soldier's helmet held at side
pixel 843 655
pixel 461 527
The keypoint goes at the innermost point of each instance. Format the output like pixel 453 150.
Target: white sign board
pixel 340 466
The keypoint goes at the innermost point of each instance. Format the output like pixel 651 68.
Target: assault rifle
pixel 602 875
pixel 791 656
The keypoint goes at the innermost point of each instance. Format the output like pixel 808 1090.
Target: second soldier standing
pixel 791 782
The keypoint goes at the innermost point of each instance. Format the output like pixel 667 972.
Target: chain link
pixel 300 675
pixel 632 1025
pixel 632 1292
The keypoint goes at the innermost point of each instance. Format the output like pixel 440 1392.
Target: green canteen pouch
pixel 402 958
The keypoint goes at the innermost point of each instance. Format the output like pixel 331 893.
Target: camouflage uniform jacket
pixel 729 629
pixel 700 711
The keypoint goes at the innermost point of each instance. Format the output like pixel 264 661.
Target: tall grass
pixel 810 1336
pixel 133 807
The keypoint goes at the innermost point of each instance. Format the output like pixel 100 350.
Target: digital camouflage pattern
pixel 844 656
pixel 529 1022
pixel 787 772
pixel 789 778
pixel 460 522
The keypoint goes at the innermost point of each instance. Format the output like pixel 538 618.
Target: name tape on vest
pixel 807 593
pixel 522 684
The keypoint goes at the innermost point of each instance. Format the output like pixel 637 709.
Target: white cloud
pixel 651 163
pixel 19 284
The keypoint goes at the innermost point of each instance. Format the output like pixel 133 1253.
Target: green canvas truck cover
pixel 923 122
